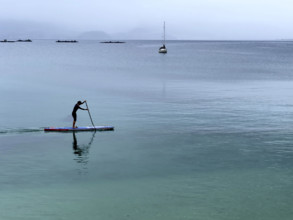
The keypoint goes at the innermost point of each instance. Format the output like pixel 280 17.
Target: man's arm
pixel 82 108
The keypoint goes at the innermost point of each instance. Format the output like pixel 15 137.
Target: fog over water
pixel 129 19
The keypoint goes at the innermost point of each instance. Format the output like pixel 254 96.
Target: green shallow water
pixel 210 176
pixel 112 178
pixel 204 197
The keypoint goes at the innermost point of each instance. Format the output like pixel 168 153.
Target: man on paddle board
pixel 76 107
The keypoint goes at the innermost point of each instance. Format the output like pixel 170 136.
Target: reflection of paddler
pixel 76 107
pixel 85 147
pixel 76 149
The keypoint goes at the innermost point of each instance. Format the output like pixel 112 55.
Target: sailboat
pixel 163 48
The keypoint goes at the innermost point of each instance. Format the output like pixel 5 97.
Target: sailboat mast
pixel 163 48
pixel 164 32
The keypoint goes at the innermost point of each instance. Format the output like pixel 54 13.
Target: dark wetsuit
pixel 76 107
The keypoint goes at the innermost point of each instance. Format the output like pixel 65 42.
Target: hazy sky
pixel 185 19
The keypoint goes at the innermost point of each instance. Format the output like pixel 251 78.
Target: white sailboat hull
pixel 163 50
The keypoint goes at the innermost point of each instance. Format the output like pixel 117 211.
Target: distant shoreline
pixel 132 40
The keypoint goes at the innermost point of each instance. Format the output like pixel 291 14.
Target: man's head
pixel 79 102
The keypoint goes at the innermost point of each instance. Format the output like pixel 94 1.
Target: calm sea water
pixel 203 132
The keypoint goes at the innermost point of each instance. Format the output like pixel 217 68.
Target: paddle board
pixel 89 128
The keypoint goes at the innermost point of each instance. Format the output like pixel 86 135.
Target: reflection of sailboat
pixel 81 151
pixel 163 48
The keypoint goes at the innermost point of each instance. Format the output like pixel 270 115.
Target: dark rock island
pixel 66 41
pixel 28 40
pixel 7 41
pixel 112 42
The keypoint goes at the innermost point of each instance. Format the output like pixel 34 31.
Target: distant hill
pixel 32 30
pixel 14 30
pixel 143 33
pixel 94 35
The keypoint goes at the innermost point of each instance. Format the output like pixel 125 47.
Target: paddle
pixel 90 114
